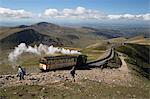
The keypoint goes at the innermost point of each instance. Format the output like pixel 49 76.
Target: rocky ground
pixel 120 76
pixel 112 78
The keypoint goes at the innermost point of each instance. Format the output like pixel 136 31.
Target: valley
pixel 126 75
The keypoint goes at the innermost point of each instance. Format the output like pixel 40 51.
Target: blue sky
pixel 106 7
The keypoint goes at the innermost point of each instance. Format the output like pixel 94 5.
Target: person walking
pixel 72 72
pixel 21 72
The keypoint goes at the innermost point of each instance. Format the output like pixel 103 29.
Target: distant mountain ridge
pixel 30 36
pixel 52 34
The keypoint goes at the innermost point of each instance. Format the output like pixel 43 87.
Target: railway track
pixel 100 62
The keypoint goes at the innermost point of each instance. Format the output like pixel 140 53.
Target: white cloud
pixel 77 13
pixel 83 13
pixel 146 16
pixel 9 13
pixel 51 12
pixel 81 10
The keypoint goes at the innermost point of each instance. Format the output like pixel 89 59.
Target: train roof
pixel 60 57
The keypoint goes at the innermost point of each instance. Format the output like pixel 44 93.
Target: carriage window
pixel 52 61
pixel 59 61
pixel 64 60
pixel 71 59
pixel 49 62
pixel 74 59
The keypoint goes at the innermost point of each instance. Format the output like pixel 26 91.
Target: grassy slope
pixel 94 51
pixel 118 40
pixel 138 57
pixel 4 32
pixel 139 40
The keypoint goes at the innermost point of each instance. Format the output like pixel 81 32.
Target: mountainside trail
pixel 120 76
pixel 95 83
pixel 124 66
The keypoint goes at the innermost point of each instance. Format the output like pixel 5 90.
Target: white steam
pixel 38 50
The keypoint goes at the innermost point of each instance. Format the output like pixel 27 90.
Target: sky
pixel 72 11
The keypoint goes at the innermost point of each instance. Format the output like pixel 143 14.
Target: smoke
pixel 38 50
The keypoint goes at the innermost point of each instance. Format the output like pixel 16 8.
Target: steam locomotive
pixel 65 61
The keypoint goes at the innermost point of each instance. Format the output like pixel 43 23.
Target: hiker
pixel 72 72
pixel 21 72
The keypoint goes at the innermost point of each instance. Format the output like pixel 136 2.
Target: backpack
pixel 72 72
pixel 24 71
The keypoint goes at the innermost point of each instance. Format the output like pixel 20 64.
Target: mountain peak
pixel 44 24
pixel 23 26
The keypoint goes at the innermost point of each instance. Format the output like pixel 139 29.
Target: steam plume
pixel 38 50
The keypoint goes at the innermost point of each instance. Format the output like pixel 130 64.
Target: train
pixel 63 61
